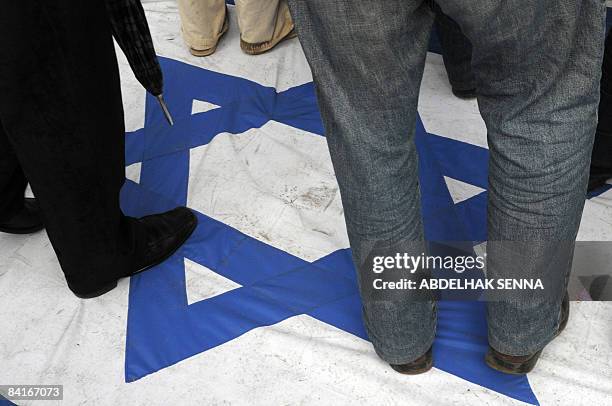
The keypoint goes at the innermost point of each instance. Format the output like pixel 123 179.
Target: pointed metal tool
pixel 164 107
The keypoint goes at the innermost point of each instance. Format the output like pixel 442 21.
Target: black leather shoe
pixel 162 235
pixel 27 221
pixel 165 233
pixel 418 366
pixel 465 94
pixel 522 364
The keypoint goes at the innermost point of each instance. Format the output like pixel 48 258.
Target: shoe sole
pixel 525 366
pixel 465 94
pixel 512 368
pixel 263 47
pixel 112 285
pixel 419 368
pixel 418 371
pixel 22 231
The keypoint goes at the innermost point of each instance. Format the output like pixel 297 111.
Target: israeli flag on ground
pixel 261 305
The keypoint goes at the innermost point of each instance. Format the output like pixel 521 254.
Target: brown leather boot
pixel 521 364
pixel 418 366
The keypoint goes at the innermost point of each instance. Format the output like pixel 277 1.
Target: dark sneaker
pixel 418 366
pixel 522 364
pixel 27 221
pixel 163 235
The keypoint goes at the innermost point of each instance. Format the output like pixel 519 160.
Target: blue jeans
pixel 537 66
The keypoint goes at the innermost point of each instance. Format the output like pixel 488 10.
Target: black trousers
pixel 601 160
pixel 62 129
pixel 456 51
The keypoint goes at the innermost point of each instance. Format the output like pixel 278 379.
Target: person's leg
pixel 367 62
pixel 457 55
pixel 12 180
pixel 601 159
pixel 60 105
pixel 18 214
pixel 537 66
pixel 263 24
pixel 203 22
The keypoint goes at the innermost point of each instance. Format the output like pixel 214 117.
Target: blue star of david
pixel 163 329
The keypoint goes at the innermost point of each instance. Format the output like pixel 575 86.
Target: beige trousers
pixel 259 21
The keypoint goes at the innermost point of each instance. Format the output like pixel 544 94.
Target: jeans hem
pixel 521 350
pixel 399 356
pixel 403 355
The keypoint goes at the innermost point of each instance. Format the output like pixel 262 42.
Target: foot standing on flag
pixel 62 129
pixel 263 24
pixel 537 66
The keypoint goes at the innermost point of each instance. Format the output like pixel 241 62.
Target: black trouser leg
pixel 456 51
pixel 601 160
pixel 12 181
pixel 60 104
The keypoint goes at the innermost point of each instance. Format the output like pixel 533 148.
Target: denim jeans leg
pixel 538 65
pixel 367 60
